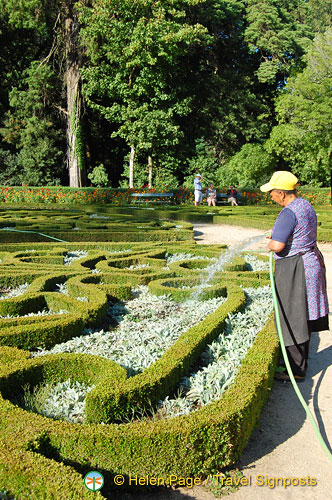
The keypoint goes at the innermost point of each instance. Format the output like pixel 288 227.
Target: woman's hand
pixel 275 246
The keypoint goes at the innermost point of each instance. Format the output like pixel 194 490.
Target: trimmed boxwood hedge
pixel 172 287
pixel 41 333
pixel 124 236
pixel 194 445
pixel 78 226
pixel 29 475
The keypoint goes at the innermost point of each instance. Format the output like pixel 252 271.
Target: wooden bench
pixel 222 198
pixel 159 197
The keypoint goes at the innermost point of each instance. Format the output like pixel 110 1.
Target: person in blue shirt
pixel 300 277
pixel 198 190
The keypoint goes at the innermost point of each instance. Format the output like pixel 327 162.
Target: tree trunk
pixel 330 183
pixel 75 154
pixel 150 163
pixel 131 167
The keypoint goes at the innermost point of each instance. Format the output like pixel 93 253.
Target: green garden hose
pixel 32 232
pixel 290 373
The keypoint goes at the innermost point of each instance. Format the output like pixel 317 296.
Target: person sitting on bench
pixel 211 195
pixel 231 196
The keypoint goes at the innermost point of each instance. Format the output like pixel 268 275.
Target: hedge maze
pixel 77 225
pixel 42 457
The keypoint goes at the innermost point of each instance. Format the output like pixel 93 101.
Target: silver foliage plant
pixel 44 312
pixel 222 359
pixel 62 288
pixel 114 252
pixel 14 292
pixel 147 326
pixel 61 401
pixel 98 216
pixel 137 266
pixel 254 264
pixel 4 496
pixel 70 257
pixel 176 257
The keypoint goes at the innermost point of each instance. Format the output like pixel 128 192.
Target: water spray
pixel 289 370
pixel 224 258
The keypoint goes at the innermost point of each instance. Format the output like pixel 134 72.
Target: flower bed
pixel 123 197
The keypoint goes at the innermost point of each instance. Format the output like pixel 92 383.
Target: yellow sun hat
pixel 281 180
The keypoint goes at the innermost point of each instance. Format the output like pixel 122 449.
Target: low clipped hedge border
pixel 25 472
pixel 172 287
pixel 259 217
pixel 16 332
pixel 34 332
pixel 29 475
pixel 195 445
pixel 77 225
pixel 116 236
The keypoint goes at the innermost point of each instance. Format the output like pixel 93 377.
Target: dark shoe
pixel 284 377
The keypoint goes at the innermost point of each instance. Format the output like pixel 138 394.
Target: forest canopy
pixel 132 93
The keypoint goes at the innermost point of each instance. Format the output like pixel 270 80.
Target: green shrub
pixel 98 176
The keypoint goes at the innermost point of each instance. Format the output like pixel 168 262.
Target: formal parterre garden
pixel 127 348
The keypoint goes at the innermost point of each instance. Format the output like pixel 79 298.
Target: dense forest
pixel 150 92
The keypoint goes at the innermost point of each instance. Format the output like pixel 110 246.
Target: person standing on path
pixel 299 272
pixel 198 190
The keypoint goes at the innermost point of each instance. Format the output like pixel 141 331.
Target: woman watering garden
pixel 299 272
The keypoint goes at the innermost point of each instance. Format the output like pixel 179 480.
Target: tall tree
pixel 73 51
pixel 303 138
pixel 133 48
pixel 56 26
pixel 32 127
pixel 250 167
pixel 320 15
pixel 237 107
pixel 279 31
pixel 18 48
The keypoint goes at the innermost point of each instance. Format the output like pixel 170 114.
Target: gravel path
pixel 284 444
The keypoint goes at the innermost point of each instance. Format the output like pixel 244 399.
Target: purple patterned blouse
pixel 298 230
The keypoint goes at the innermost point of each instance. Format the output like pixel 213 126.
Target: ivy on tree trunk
pixel 75 150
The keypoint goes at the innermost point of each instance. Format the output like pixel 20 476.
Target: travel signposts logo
pixel 94 481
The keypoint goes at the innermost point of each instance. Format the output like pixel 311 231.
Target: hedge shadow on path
pixel 283 415
pixel 157 493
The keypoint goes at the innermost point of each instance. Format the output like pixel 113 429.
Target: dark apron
pixel 320 324
pixel 292 299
